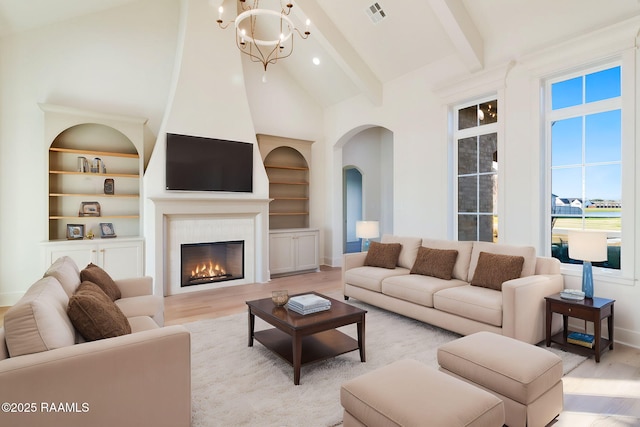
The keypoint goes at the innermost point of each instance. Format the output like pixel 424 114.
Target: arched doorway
pixel 352 205
pixel 367 150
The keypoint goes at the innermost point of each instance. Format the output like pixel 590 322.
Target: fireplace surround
pixel 180 220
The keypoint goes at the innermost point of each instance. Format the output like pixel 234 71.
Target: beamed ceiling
pixel 359 56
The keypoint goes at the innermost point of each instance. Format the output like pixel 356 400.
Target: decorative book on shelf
pixel 579 338
pixel 308 303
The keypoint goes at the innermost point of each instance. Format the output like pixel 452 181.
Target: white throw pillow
pixel 38 321
pixel 65 270
pixel 409 249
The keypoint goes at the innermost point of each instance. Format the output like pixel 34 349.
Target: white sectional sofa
pixel 51 375
pixel 462 303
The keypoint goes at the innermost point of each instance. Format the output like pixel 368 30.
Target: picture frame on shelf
pixel 89 209
pixel 75 231
pixel 107 230
pixel 109 186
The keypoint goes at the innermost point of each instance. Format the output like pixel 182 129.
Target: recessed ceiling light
pixel 316 60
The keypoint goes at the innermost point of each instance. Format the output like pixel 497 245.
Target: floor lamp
pixel 587 246
pixel 366 230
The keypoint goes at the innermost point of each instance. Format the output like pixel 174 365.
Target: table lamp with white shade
pixel 587 246
pixel 366 230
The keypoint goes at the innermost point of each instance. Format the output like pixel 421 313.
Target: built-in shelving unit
pixel 73 136
pixel 293 246
pixel 289 189
pixel 69 187
pixel 287 162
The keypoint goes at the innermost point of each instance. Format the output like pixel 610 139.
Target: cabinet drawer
pixel 572 310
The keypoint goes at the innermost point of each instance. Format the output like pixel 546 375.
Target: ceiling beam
pixel 341 50
pixel 462 31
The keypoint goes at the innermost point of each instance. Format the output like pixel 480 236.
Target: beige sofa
pixel 50 376
pixel 516 311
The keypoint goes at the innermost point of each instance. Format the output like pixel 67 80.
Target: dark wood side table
pixel 589 309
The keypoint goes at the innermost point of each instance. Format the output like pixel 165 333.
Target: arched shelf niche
pixel 72 136
pixel 288 174
pixel 286 162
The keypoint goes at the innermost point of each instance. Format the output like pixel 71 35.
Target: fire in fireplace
pixel 211 262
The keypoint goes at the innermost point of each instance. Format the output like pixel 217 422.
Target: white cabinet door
pixel 291 251
pixel 82 254
pixel 281 253
pixel 120 258
pixel 307 251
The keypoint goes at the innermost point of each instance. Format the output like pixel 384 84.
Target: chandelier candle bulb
pixel 220 10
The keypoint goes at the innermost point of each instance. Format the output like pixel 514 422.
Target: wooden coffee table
pixel 302 339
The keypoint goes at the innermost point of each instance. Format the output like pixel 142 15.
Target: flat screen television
pixel 196 163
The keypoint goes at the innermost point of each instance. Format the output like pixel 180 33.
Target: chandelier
pixel 265 35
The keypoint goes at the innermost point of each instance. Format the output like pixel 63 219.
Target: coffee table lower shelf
pixel 316 347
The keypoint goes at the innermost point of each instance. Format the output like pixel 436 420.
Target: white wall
pixel 280 107
pixel 119 61
pixel 288 108
pixel 414 119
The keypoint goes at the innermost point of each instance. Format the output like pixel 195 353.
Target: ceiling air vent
pixel 375 13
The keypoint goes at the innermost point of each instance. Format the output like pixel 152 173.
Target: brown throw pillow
pixel 495 269
pixel 435 262
pixel 383 255
pixel 93 273
pixel 94 315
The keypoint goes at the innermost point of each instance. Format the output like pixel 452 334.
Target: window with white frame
pixel 476 166
pixel 583 120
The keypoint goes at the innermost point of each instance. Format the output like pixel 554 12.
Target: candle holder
pixel 280 298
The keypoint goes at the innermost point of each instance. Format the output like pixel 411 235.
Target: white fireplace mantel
pixel 175 208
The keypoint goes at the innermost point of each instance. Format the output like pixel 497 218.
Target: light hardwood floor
pixel 605 394
pixel 189 307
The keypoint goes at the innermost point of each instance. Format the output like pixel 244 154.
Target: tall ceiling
pixel 359 56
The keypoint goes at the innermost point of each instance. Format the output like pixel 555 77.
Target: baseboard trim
pixel 627 337
pixel 332 262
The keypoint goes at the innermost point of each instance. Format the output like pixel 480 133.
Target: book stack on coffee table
pixel 308 303
pixel 578 338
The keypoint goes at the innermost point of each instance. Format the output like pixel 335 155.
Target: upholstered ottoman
pixel 527 378
pixel 409 393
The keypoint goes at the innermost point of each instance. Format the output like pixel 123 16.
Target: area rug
pixel 237 385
